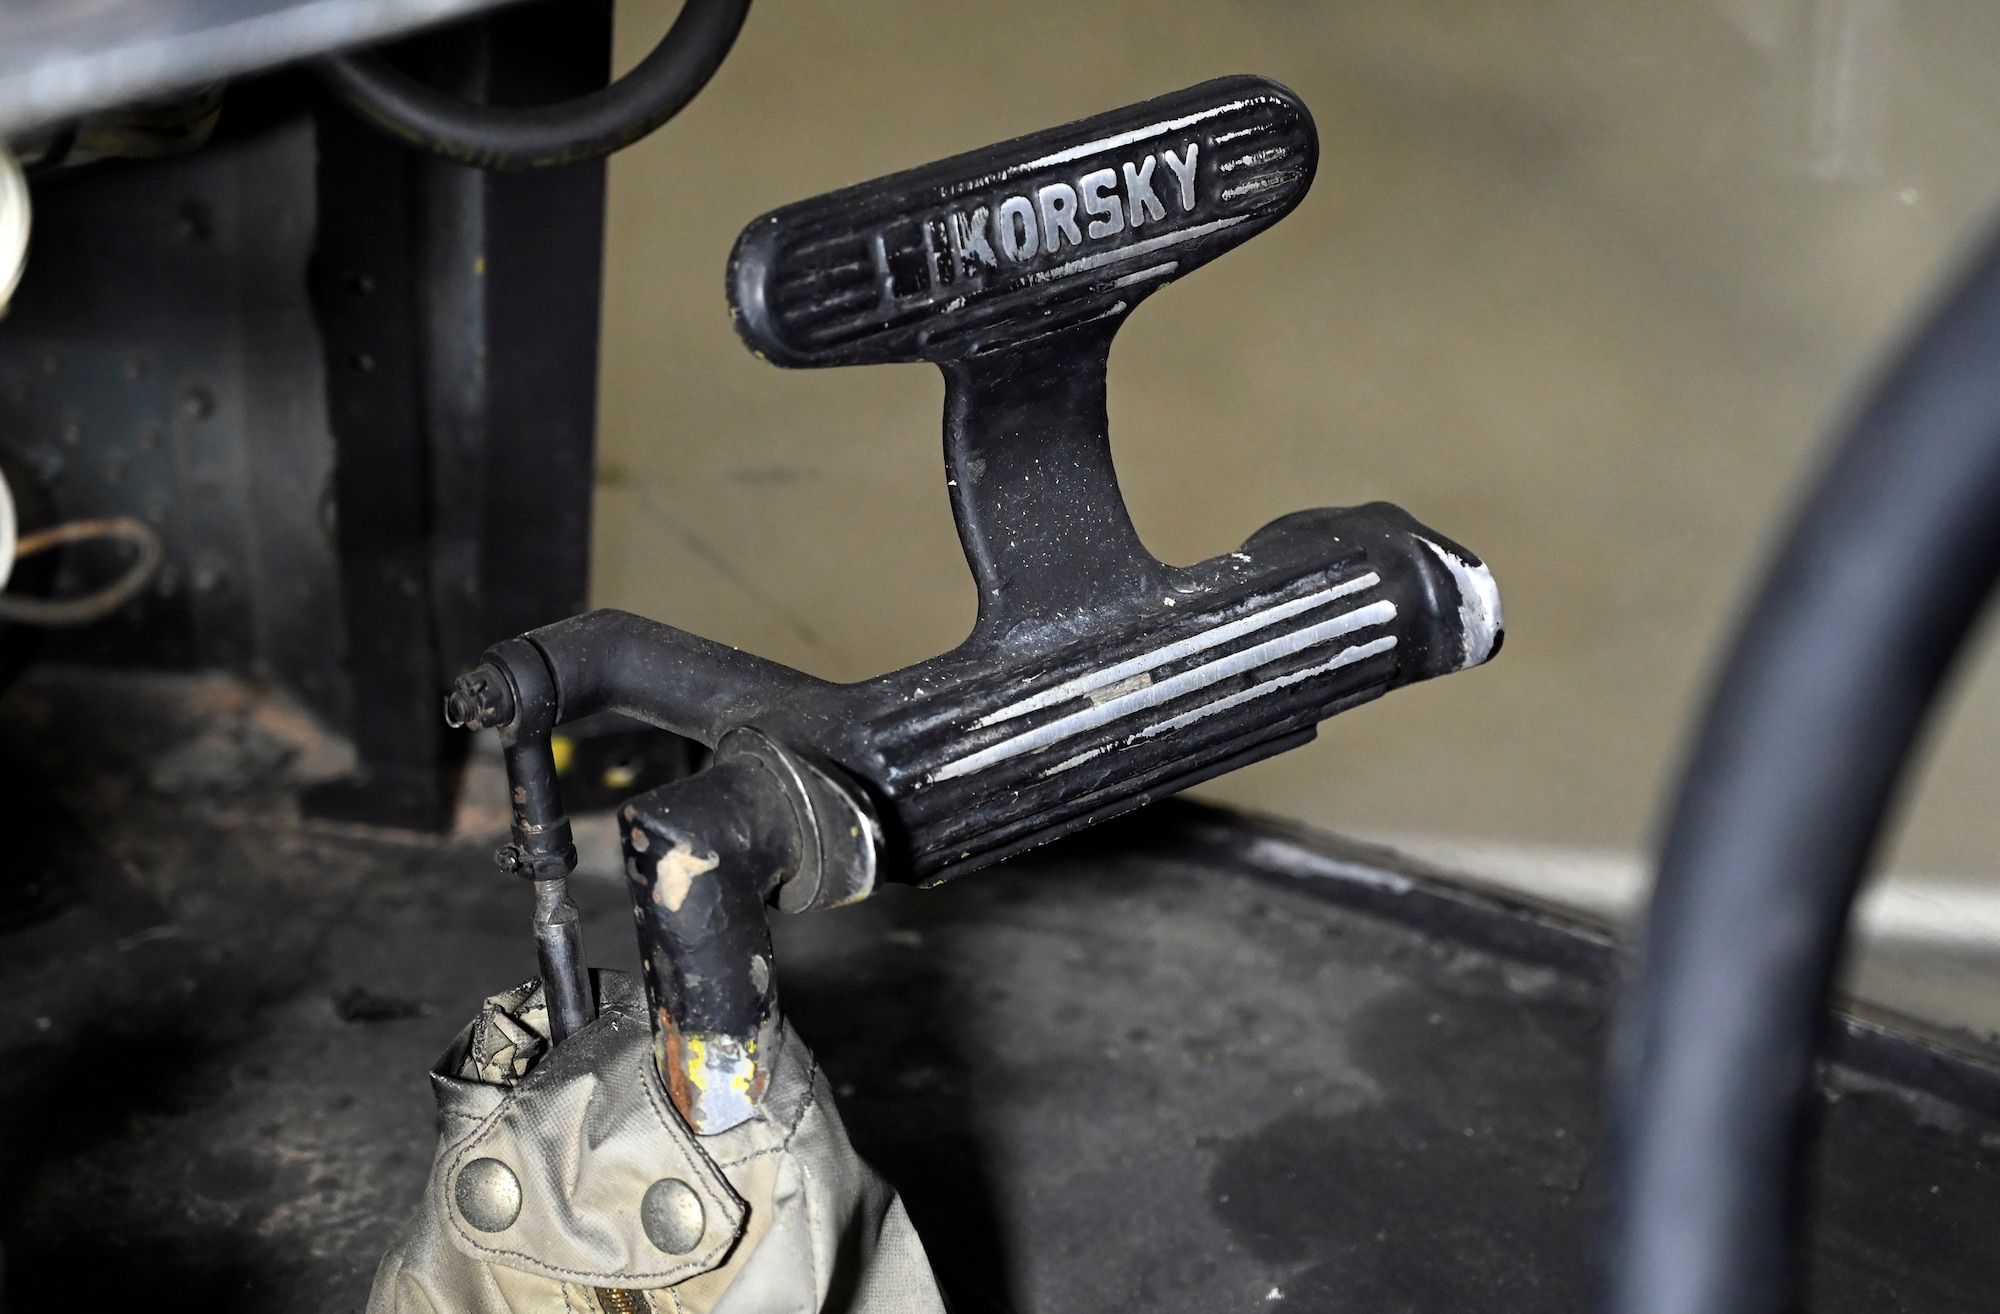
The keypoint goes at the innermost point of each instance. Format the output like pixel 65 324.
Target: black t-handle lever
pixel 1097 679
pixel 1012 268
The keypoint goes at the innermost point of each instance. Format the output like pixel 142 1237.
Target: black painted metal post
pixel 459 310
pixel 365 289
pixel 545 257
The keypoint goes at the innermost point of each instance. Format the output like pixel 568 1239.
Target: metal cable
pixel 501 137
pixel 59 612
pixel 1837 663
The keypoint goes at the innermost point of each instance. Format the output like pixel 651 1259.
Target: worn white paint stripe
pixel 1262 182
pixel 1152 695
pixel 1078 760
pixel 1127 138
pixel 1150 271
pixel 1346 657
pixel 1147 247
pixel 1091 681
pixel 1252 160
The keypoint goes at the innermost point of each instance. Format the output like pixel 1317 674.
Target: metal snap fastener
pixel 488 1195
pixel 672 1215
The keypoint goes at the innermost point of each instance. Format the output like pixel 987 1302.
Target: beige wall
pixel 1581 283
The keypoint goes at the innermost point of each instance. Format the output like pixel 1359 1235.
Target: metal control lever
pixel 1097 678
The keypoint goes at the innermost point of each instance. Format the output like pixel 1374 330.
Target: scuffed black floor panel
pixel 1185 1091
pixel 1122 1074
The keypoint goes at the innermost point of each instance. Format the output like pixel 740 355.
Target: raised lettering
pixel 1058 206
pixel 1015 227
pixel 968 241
pixel 937 244
pixel 1183 174
pixel 1140 202
pixel 1100 197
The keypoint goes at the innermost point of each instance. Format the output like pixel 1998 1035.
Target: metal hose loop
pixel 1806 738
pixel 60 612
pixel 586 128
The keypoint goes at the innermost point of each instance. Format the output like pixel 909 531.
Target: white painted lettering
pixel 1015 226
pixel 1058 206
pixel 1183 171
pixel 1140 202
pixel 1022 229
pixel 1100 197
pixel 968 240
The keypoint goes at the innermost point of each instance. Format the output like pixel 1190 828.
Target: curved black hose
pixel 1854 631
pixel 500 137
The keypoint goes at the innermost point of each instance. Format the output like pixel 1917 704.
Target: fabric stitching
pixel 719 1185
pixel 806 1105
pixel 701 1262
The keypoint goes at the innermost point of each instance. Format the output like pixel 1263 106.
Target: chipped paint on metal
pixel 1480 619
pixel 715 1081
pixel 723 1079
pixel 1125 686
pixel 675 873
pixel 670 1058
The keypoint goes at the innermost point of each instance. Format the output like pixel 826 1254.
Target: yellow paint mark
pixel 735 1076
pixel 563 749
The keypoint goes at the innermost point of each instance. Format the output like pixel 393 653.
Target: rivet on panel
pixel 672 1215
pixel 488 1195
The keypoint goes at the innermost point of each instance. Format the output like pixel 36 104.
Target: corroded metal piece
pixel 559 948
pixel 479 700
pixel 701 857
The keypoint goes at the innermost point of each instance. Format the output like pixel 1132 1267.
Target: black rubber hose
pixel 613 661
pixel 1854 631
pixel 501 137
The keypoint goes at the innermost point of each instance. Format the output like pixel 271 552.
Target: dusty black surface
pixel 1105 1077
